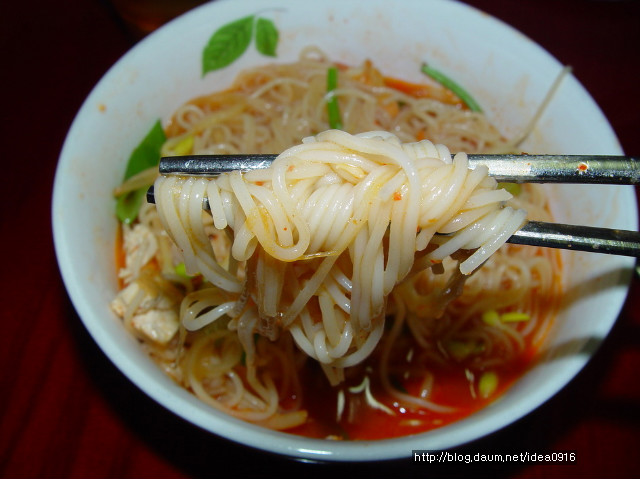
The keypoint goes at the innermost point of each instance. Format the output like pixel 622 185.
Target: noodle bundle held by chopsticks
pixel 316 243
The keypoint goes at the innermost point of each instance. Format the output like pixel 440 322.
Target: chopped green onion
pixel 514 188
pixel 488 384
pixel 448 83
pixel 459 350
pixel 184 146
pixel 491 317
pixel 181 270
pixel 147 153
pixel 332 102
pixel 514 317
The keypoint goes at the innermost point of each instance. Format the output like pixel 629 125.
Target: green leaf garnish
pixel 266 37
pixel 333 108
pixel 128 205
pixel 230 41
pixel 145 155
pixel 448 83
pixel 227 44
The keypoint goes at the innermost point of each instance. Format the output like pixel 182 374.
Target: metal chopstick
pixel 602 169
pixel 578 238
pixel 598 169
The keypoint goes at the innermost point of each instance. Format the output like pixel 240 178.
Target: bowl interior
pixel 508 73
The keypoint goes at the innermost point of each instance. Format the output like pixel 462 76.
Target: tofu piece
pixel 156 315
pixel 150 300
pixel 140 246
pixel 159 325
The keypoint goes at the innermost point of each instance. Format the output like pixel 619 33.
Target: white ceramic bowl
pixel 508 73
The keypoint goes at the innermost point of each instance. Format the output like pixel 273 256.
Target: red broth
pixel 455 385
pixel 452 387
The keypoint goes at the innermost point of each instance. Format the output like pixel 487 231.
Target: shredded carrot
pixel 391 107
pixel 422 90
pixel 119 253
pixel 367 74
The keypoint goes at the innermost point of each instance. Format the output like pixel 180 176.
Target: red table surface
pixel 67 412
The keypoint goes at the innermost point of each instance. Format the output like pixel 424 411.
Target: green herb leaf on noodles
pixel 266 37
pixel 128 205
pixel 146 155
pixel 227 44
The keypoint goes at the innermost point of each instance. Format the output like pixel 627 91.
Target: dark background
pixel 66 412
